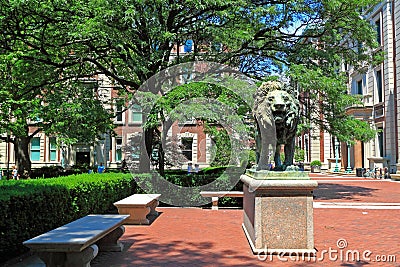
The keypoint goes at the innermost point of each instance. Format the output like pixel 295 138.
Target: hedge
pixel 32 207
pixel 210 179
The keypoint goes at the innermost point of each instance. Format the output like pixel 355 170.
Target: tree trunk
pixel 161 160
pixel 145 150
pixel 22 157
pixel 161 152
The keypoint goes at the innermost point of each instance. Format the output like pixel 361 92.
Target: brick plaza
pixel 356 223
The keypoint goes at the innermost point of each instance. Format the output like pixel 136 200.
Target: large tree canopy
pixel 131 40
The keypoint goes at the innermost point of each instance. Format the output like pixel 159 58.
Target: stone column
pixel 278 214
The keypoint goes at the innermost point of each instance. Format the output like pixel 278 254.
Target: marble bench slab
pixel 139 207
pixel 215 195
pixel 78 242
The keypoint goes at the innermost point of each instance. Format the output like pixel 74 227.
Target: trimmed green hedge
pixel 210 179
pixel 32 207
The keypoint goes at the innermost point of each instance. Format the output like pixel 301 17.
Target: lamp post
pixel 8 155
pixel 336 155
pixel 348 169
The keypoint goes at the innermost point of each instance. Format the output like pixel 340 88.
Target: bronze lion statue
pixel 276 111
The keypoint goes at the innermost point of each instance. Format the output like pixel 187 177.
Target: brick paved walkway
pixel 203 237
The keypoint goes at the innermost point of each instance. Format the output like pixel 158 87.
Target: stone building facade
pixel 378 87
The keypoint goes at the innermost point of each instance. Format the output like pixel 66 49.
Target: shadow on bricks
pixel 341 192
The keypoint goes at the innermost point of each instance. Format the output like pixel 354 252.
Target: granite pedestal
pixel 278 212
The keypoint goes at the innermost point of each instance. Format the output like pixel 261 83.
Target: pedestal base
pixel 278 215
pixel 281 252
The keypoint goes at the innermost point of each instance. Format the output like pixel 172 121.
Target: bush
pixel 316 163
pixel 252 159
pixel 217 169
pixel 32 207
pixel 47 172
pixel 299 154
pixel 198 183
pixel 210 179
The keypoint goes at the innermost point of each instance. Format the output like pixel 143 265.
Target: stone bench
pixel 139 207
pixel 78 242
pixel 215 195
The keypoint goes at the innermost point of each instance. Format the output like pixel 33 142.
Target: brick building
pixel 110 149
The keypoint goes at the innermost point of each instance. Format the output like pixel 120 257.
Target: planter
pixel 315 168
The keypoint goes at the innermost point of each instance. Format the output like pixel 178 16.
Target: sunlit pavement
pixel 356 223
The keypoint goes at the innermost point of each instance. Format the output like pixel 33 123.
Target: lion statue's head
pixel 280 101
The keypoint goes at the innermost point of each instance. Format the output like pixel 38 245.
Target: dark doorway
pixel 82 158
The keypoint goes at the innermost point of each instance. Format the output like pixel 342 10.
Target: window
pixel 378 31
pixel 35 149
pixel 135 154
pixel 136 114
pixel 187 147
pixel 132 151
pixel 118 150
pixel 53 149
pixel 118 111
pixel 359 87
pixel 379 86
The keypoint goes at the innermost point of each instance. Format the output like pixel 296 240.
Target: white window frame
pixel 35 150
pixel 135 109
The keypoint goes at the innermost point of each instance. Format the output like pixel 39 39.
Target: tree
pixel 173 152
pixel 219 109
pixel 49 97
pixel 67 109
pixel 130 41
pixel 222 149
pixel 326 98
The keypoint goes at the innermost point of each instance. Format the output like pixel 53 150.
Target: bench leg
pixel 214 203
pixel 52 259
pixel 153 205
pixel 137 215
pixel 110 242
pixel 70 259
